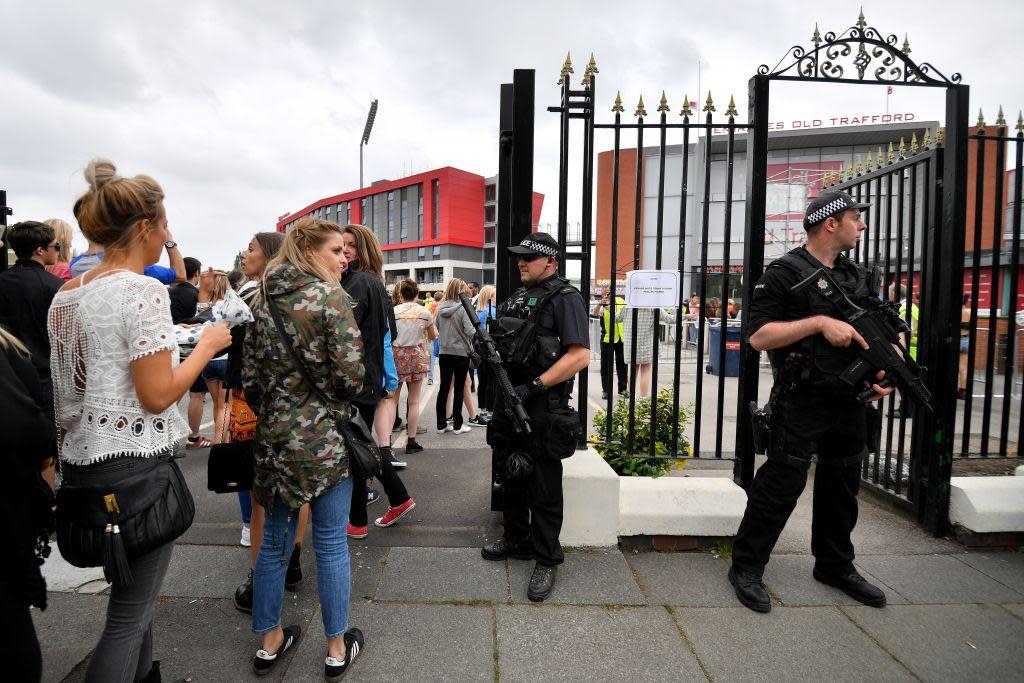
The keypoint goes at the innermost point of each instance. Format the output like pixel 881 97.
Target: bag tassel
pixel 115 559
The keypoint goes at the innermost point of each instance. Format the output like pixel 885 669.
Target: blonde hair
pixel 8 340
pixel 307 235
pixel 368 251
pixel 221 285
pixel 64 233
pixel 484 297
pixel 112 206
pixel 454 287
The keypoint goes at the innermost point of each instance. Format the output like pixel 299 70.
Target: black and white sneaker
pixel 390 455
pixel 372 496
pixel 335 669
pixel 264 661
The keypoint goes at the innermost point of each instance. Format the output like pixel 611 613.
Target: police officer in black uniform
pixel 813 413
pixel 543 337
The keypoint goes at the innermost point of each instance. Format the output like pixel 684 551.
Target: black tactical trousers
pixel 834 430
pixel 532 508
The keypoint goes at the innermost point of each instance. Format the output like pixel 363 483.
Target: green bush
pixel 614 453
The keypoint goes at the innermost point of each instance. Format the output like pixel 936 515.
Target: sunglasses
pixel 530 258
pixel 55 247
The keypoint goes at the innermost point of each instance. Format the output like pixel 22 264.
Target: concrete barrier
pixel 987 504
pixel 680 506
pixel 1019 471
pixel 591 491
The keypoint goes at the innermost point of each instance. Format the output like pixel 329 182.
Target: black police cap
pixel 828 204
pixel 536 243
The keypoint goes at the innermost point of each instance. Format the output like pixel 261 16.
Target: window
pixel 490 192
pixel 366 220
pixel 406 191
pixel 421 254
pixel 392 219
pixel 419 216
pixel 489 255
pixel 380 217
pixel 436 251
pixel 488 214
pixel 435 192
pixel 430 276
pixel 488 233
pixel 403 255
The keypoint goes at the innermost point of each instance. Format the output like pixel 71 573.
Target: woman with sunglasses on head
pixel 304 331
pixel 364 281
pixel 117 382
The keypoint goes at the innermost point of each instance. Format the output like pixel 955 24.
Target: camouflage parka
pixel 299 453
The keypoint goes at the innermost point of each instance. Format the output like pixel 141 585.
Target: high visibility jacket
pixel 620 303
pixel 914 315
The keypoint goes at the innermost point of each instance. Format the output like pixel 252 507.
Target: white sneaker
pixel 246 540
pixel 465 430
pixel 447 428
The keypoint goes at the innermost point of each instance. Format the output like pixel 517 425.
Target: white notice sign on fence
pixel 652 288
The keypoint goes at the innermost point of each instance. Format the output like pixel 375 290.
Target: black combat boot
pixel 243 595
pixel 750 591
pixel 293 578
pixel 853 584
pixel 502 549
pixel 542 582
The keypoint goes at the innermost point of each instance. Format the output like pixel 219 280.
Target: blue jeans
pixel 330 542
pixel 245 504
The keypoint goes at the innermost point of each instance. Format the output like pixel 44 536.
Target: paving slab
pixel 599 577
pixel 1006 568
pixel 68 630
pixel 367 567
pixel 442 574
pixel 570 643
pixel 791 579
pixel 1016 609
pixel 205 571
pixel 406 642
pixel 949 642
pixel 63 577
pixel 690 579
pixel 789 643
pixel 936 579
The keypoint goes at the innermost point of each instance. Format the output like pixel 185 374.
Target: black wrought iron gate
pixel 916 232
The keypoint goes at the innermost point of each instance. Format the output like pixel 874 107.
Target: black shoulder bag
pixel 364 455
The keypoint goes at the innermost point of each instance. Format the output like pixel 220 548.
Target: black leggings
pixel 451 367
pixel 393 486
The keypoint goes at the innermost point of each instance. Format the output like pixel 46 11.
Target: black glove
pixel 523 391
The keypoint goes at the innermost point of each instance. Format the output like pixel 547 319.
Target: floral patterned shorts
pixel 411 362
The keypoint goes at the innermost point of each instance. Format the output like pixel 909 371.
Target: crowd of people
pixel 99 349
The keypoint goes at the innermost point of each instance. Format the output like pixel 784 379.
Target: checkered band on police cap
pixel 830 204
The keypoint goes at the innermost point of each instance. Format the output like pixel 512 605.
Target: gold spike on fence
pixel 926 141
pixel 590 70
pixel 906 44
pixel 940 136
pixel 566 69
pixel 881 157
pixel 861 23
pixel 902 153
pixel 913 143
pixel 849 173
pixel 1000 119
pixel 816 38
pixel 617 107
pixel 709 106
pixel 664 102
pixel 891 156
pixel 870 163
pixel 1020 122
pixel 686 107
pixel 731 111
pixel 981 121
pixel 640 110
pixel 860 166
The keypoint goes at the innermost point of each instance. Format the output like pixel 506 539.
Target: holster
pixel 760 427
pixel 873 428
pixel 786 448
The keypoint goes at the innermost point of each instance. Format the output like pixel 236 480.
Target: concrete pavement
pixel 432 609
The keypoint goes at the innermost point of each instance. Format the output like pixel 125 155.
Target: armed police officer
pixel 542 335
pixel 811 412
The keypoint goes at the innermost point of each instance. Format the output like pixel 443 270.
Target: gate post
pixel 515 204
pixel 753 267
pixel 5 211
pixel 944 305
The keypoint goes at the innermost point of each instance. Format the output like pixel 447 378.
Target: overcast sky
pixel 244 111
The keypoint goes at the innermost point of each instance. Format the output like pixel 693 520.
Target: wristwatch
pixel 536 386
pixel 170 244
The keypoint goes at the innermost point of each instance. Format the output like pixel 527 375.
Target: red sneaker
pixel 357 531
pixel 394 514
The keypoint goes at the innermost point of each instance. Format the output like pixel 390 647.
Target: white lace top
pixel 96 330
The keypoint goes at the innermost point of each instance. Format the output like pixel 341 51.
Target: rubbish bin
pixel 733 342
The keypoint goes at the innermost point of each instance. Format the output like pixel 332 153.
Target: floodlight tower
pixel 365 140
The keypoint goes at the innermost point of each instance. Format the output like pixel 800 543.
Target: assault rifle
pixel 879 323
pixel 488 351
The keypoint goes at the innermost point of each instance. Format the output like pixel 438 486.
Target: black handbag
pixel 230 467
pixel 107 525
pixel 364 456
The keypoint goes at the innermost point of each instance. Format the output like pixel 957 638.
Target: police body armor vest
pixel 526 347
pixel 822 362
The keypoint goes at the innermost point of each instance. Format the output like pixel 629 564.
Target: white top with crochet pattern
pixel 96 331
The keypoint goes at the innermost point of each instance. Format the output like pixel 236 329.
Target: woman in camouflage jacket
pixel 300 456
